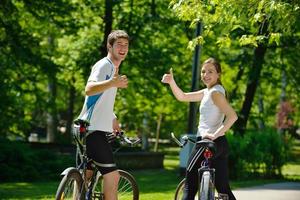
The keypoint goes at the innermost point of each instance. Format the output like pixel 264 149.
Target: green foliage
pixel 258 152
pixel 238 25
pixel 19 162
pixel 57 42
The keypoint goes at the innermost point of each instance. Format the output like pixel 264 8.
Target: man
pixel 98 108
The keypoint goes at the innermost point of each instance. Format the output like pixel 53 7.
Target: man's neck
pixel 114 61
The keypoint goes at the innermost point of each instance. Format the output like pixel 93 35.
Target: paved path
pixel 275 191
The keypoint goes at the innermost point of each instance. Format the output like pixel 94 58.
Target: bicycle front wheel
pixel 180 191
pixel 206 187
pixel 70 186
pixel 127 188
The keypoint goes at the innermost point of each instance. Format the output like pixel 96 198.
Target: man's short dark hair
pixel 116 34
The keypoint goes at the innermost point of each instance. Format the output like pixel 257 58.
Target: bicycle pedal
pixel 222 197
pixel 98 195
pixel 88 195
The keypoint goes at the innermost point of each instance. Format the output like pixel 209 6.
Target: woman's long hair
pixel 217 67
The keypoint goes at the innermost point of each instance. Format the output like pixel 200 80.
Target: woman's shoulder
pixel 217 88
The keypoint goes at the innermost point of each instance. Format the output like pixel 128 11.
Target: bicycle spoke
pixel 124 187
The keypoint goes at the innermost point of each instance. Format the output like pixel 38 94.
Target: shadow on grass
pixel 34 190
pixel 157 180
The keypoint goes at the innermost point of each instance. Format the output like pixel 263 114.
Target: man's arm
pixel 93 87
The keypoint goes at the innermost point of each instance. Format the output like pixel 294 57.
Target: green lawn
pixel 292 169
pixel 154 184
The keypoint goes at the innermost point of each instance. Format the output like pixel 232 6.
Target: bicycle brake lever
pixel 176 140
pixel 127 140
pixel 136 141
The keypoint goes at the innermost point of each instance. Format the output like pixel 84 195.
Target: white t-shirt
pixel 98 109
pixel 211 117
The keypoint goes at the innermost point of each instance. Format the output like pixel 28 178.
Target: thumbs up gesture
pixel 120 81
pixel 168 78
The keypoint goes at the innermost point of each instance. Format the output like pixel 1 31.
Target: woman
pixel 214 108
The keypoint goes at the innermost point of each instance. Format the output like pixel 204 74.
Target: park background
pixel 48 49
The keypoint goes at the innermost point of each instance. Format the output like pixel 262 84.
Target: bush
pixel 258 153
pixel 19 162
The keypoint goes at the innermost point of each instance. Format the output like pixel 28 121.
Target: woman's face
pixel 209 75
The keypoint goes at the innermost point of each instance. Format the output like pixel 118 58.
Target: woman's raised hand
pixel 168 78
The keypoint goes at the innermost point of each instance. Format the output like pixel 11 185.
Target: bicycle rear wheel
pixel 180 190
pixel 206 187
pixel 70 186
pixel 127 189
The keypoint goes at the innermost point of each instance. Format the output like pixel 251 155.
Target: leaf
pixel 248 40
pixel 238 26
pixel 275 38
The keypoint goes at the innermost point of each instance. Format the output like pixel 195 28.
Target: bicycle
pixel 75 185
pixel 206 189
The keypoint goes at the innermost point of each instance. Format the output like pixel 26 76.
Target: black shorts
pixel 99 150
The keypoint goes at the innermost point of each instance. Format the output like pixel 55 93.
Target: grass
pixel 291 170
pixel 157 184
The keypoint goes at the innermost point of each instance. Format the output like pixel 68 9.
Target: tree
pixel 256 24
pixel 26 60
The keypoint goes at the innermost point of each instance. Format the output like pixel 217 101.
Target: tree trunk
pixel 52 111
pixel 261 123
pixel 192 122
pixel 108 26
pixel 254 75
pixel 52 121
pixel 157 132
pixel 241 123
pixel 70 113
pixel 153 8
pixel 129 23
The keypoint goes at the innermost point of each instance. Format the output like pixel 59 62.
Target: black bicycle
pixel 206 189
pixel 76 186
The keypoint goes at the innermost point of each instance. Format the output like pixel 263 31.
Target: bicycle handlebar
pixel 206 143
pixel 185 138
pixel 124 138
pixel 83 129
pixel 176 140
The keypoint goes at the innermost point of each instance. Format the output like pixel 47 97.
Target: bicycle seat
pixel 207 144
pixel 81 122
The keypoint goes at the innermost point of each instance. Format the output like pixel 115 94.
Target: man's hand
pixel 116 125
pixel 120 81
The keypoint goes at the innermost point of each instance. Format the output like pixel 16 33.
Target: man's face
pixel 119 49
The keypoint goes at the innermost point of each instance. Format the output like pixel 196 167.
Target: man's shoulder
pixel 104 62
pixel 103 65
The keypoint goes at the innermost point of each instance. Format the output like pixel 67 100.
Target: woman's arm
pixel 230 115
pixel 178 93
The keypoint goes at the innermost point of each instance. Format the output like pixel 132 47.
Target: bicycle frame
pixel 204 171
pixel 88 180
pixel 206 190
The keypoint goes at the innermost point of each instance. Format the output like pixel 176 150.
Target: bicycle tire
pixel 206 187
pixel 180 190
pixel 127 189
pixel 70 186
